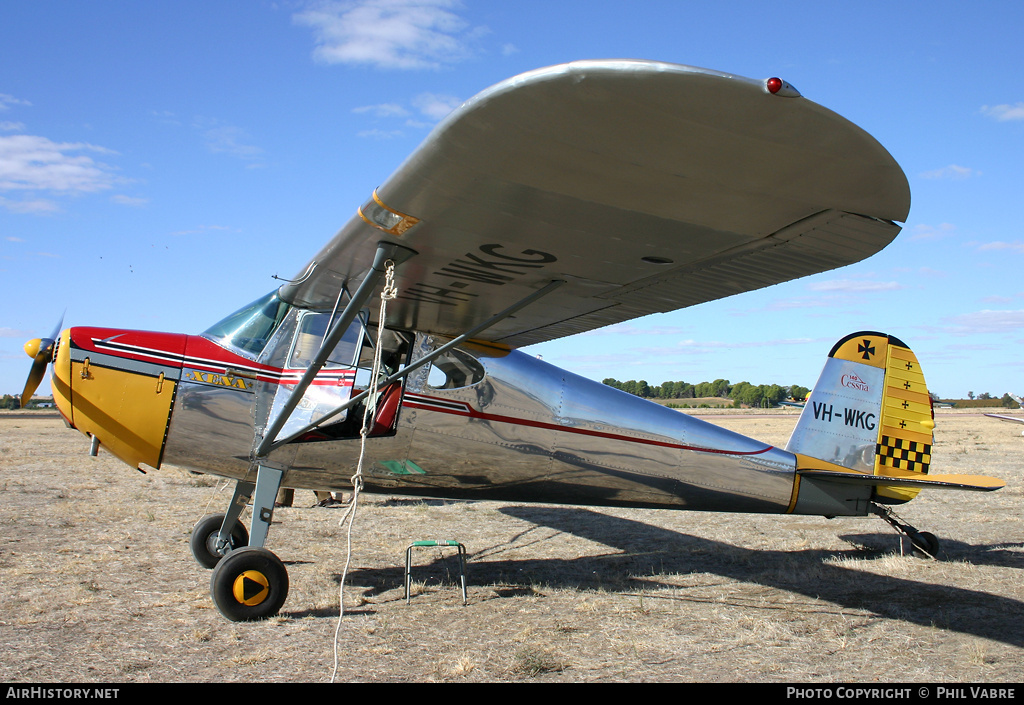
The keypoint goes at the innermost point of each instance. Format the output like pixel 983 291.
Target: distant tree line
pixel 741 393
pixel 985 400
pixel 9 401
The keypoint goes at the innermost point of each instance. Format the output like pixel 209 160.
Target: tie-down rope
pixel 389 292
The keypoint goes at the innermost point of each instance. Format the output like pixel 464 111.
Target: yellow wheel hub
pixel 251 588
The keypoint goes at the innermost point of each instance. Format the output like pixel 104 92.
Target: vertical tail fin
pixel 870 412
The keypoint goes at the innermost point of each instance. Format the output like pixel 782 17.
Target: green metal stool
pixel 434 544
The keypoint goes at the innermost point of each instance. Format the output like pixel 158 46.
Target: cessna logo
pixel 215 379
pixel 854 382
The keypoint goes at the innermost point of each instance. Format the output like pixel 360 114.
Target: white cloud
pixel 432 106
pixel 953 171
pixel 15 333
pixel 1004 112
pixel 629 329
pixel 435 106
pixel 8 126
pixel 933 232
pixel 227 139
pixel 391 34
pixel 123 200
pixel 986 322
pixel 998 246
pixel 205 229
pixel 36 205
pixel 6 101
pixel 854 285
pixel 28 162
pixel 376 134
pixel 382 110
pixel 720 345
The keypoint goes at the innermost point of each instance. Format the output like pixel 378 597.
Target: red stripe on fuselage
pixel 444 406
pixel 193 352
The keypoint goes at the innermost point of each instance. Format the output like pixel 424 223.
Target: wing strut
pixel 385 251
pixel 429 357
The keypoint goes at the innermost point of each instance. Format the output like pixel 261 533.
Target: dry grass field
pixel 98 585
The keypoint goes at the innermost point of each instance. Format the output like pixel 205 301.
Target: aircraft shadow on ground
pixel 640 553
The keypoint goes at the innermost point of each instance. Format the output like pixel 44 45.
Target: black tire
pixel 249 584
pixel 925 544
pixel 204 539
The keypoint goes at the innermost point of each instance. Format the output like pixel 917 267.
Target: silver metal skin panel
pixel 523 430
pixel 211 429
pixel 605 447
pixel 820 431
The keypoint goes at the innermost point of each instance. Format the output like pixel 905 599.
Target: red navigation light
pixel 774 85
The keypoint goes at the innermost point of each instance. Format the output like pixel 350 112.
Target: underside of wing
pixel 646 187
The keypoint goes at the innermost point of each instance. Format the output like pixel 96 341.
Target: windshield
pixel 249 328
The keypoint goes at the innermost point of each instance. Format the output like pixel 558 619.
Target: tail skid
pixel 869 424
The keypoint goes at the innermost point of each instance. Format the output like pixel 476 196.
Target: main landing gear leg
pixel 251 583
pixel 925 544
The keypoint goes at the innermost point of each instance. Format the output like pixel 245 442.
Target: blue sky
pixel 161 161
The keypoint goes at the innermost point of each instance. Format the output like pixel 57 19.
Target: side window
pixel 311 333
pixel 454 370
pixel 395 347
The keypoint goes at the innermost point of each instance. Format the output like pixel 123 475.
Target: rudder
pixel 869 412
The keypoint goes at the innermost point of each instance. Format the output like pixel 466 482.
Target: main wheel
pixel 204 539
pixel 249 584
pixel 925 544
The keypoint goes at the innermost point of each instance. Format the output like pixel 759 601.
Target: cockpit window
pixel 311 334
pixel 249 329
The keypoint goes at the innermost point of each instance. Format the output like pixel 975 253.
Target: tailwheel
pixel 249 584
pixel 925 544
pixel 205 534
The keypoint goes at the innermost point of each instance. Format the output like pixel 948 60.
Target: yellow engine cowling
pixel 118 387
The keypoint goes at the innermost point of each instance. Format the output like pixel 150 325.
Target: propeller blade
pixel 41 352
pixel 56 331
pixel 35 376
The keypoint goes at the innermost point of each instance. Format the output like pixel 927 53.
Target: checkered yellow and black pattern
pixel 903 454
pixel 905 433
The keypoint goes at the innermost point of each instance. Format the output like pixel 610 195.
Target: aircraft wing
pixel 646 187
pixel 1015 419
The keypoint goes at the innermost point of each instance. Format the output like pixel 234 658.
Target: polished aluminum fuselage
pixel 525 431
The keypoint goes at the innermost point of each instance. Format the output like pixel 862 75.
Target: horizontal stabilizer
pixel 894 477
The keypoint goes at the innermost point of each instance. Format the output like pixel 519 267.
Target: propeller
pixel 41 352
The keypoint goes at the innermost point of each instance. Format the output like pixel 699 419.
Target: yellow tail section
pixel 906 420
pixel 868 426
pixel 868 423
